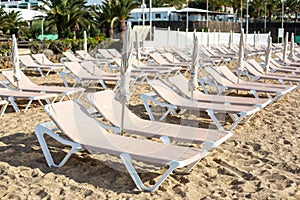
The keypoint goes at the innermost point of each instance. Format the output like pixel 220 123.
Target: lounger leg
pixel 103 84
pixel 4 106
pixel 148 109
pixel 203 86
pixel 62 75
pixel 40 131
pixel 165 139
pixel 48 72
pixel 137 180
pixel 248 118
pixel 13 103
pixel 254 93
pixel 237 121
pixel 215 120
pixel 187 169
pixel 145 97
pixel 40 71
pixel 29 103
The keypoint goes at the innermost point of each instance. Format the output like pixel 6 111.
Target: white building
pixel 25 14
pixel 158 14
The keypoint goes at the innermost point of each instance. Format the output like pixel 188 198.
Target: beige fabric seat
pixel 74 121
pixel 92 68
pixel 25 84
pixel 104 53
pixel 287 60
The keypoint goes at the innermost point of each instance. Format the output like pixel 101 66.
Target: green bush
pixel 59 46
pixel 5 48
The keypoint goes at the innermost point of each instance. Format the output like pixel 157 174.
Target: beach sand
pixel 260 161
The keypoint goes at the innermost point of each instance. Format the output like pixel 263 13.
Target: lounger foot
pixel 136 178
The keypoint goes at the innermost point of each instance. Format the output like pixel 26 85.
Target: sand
pixel 260 161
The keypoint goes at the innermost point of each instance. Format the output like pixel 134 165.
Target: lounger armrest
pixel 151 96
pixel 115 130
pixel 63 59
pixel 210 81
pixel 64 74
pixel 40 131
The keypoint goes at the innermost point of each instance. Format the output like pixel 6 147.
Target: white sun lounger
pixel 181 84
pixel 223 79
pixel 73 120
pixel 174 101
pixel 83 77
pixel 43 60
pixel 282 78
pixel 29 63
pixel 110 109
pixel 11 95
pixel 25 84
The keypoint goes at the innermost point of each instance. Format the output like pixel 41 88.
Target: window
pixel 157 16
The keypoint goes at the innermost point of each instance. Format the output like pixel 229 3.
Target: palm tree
pixel 12 21
pixel 105 16
pixel 121 12
pixel 258 7
pixel 291 7
pixel 115 11
pixel 66 15
pixel 272 7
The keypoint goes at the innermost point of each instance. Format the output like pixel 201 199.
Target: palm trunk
pixel 59 30
pixel 123 29
pixel 111 34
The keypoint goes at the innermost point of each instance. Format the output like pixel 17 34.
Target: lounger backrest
pixel 42 59
pixel 181 83
pixel 182 55
pixel 115 53
pixel 171 58
pixel 228 74
pixel 27 60
pixel 71 56
pixel 84 55
pixel 92 67
pixel 166 93
pixel 76 69
pixel 111 109
pixel 251 69
pixel 105 53
pixel 157 58
pixel 136 63
pixel 256 65
pixel 23 82
pixel 217 76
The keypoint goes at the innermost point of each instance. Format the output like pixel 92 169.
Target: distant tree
pixel 258 7
pixel 114 11
pixel 11 22
pixel 67 15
